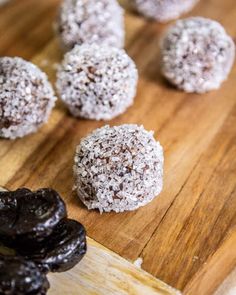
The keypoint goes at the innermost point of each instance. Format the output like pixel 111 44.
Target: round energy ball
pixel 90 21
pixel 118 168
pixel 163 10
pixel 26 97
pixel 197 54
pixel 97 82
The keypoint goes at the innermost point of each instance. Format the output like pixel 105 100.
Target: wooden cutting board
pixel 186 237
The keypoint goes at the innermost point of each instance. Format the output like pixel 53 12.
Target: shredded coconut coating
pixel 91 21
pixel 197 55
pixel 163 10
pixel 97 82
pixel 26 97
pixel 118 168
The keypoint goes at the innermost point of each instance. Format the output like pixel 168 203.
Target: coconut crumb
pixel 55 66
pixel 44 63
pixel 195 258
pixel 138 262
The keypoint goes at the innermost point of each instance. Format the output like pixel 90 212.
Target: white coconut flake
pixel 44 63
pixel 91 21
pixel 55 66
pixel 197 54
pixel 138 262
pixel 163 10
pixel 97 82
pixel 133 181
pixel 26 97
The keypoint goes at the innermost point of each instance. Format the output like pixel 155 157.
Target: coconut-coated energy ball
pixel 118 168
pixel 91 21
pixel 97 82
pixel 26 97
pixel 197 54
pixel 163 10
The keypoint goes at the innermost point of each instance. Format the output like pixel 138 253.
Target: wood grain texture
pixel 104 272
pixel 185 236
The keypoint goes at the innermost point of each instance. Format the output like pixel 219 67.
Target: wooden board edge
pixel 119 275
pixel 104 272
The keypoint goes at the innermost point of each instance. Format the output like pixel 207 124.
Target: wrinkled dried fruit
pixel 26 215
pixel 21 277
pixel 62 250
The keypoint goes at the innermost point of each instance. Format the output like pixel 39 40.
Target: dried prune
pixel 21 277
pixel 30 215
pixel 62 250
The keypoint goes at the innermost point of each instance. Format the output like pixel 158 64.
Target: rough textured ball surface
pixel 163 10
pixel 97 82
pixel 91 21
pixel 26 97
pixel 197 55
pixel 118 168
